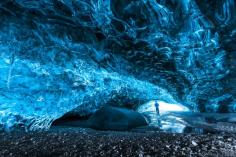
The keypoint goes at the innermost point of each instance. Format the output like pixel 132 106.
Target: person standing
pixel 158 113
pixel 157 107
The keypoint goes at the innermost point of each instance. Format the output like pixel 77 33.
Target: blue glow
pixel 60 56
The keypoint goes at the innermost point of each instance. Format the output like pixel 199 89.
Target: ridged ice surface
pixel 59 56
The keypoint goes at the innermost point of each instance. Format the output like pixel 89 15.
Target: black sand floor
pixel 74 142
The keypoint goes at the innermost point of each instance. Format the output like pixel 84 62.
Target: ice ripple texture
pixel 60 56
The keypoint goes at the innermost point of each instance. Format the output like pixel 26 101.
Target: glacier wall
pixel 60 56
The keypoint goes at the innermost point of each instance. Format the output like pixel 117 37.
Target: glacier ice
pixel 75 56
pixel 165 119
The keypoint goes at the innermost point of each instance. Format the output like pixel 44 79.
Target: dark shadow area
pixel 71 120
pixel 106 118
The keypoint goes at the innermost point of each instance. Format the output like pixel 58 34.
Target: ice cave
pixel 118 65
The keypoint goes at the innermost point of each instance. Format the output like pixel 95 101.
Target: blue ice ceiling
pixel 59 56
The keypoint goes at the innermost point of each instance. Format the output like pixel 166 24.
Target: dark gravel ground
pixel 74 142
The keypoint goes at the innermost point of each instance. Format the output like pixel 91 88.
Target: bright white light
pixel 164 120
pixel 164 107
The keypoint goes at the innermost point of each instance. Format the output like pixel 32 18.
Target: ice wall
pixel 78 55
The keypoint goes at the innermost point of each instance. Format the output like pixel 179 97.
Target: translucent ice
pixel 74 56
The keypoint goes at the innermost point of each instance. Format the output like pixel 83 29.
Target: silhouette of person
pixel 157 108
pixel 158 113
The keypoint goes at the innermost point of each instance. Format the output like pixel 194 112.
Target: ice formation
pixel 60 56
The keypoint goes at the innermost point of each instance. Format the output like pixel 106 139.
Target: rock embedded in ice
pixel 112 118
